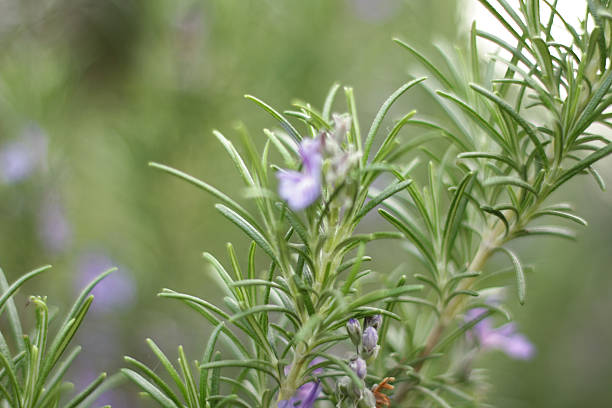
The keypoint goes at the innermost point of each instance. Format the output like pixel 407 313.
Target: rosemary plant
pixel 302 329
pixel 32 375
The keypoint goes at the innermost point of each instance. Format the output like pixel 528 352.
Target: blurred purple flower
pixel 374 10
pixel 22 156
pixel 53 227
pixel 115 291
pixel 307 394
pixel 504 338
pixel 300 189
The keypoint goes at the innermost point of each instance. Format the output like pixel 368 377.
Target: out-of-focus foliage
pixel 109 86
pixel 102 87
pixel 33 366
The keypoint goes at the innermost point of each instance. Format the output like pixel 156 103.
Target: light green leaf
pixel 281 119
pixel 248 229
pixel 383 112
pixel 520 275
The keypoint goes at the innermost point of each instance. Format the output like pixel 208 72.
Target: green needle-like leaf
pixel 521 283
pixel 281 119
pixel 382 113
pixel 248 229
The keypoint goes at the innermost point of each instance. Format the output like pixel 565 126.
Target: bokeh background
pixel 92 90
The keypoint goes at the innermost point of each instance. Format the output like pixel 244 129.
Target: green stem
pixel 291 382
pixel 491 241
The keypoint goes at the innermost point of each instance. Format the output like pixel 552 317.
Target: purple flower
pixel 20 157
pixel 116 290
pixel 300 189
pixel 307 394
pixel 504 338
pixel 304 397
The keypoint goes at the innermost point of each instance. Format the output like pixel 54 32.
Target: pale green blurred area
pixel 116 84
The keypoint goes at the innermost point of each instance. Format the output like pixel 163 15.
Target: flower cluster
pixel 302 188
pixel 351 394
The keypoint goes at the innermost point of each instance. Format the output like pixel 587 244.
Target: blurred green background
pixel 92 90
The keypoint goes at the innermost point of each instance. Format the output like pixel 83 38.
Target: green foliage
pixel 514 141
pixel 509 140
pixel 32 374
pixel 296 309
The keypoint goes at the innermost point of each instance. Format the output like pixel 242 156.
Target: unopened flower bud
pixel 342 125
pixel 359 366
pixel 370 338
pixel 369 348
pixel 350 389
pixel 354 331
pixel 374 321
pixel 343 386
pixel 368 400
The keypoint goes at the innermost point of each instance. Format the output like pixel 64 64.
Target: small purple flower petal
pixel 310 153
pixel 300 189
pixel 306 395
pixel 504 338
pixel 474 313
pixel 517 346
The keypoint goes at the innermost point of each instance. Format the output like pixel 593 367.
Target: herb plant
pixel 309 328
pixel 33 366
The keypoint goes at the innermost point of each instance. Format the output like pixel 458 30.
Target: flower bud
pixel 348 390
pixel 374 321
pixel 370 338
pixel 354 331
pixel 369 348
pixel 359 366
pixel 343 386
pixel 368 400
pixel 342 125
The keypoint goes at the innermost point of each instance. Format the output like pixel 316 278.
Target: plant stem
pixel 289 386
pixel 491 241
